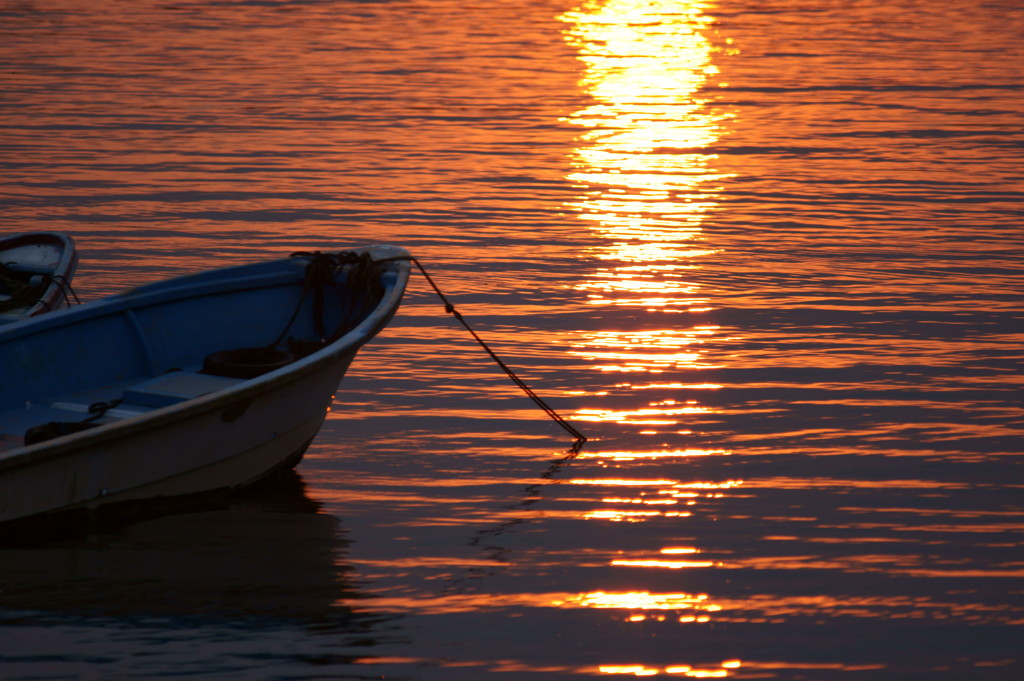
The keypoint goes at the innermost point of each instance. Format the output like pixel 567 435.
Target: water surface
pixel 767 256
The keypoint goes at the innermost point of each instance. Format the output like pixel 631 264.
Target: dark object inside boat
pixel 20 289
pixel 246 362
pixel 48 431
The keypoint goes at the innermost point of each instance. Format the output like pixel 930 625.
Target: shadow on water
pixel 269 556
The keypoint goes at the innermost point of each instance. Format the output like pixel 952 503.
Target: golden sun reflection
pixel 652 455
pixel 684 670
pixel 645 174
pixel 640 606
pixel 659 499
pixel 669 564
pixel 650 351
pixel 655 415
pixel 637 600
pixel 647 184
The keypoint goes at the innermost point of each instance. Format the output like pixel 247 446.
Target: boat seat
pixel 16 423
pixel 135 398
pixel 174 387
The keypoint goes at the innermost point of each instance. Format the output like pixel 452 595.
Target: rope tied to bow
pixel 450 309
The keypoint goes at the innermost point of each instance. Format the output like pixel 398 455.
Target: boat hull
pixel 206 449
pixel 220 440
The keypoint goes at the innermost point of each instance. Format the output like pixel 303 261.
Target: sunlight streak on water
pixel 647 182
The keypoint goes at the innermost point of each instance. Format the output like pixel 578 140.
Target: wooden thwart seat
pixel 173 387
pixel 111 403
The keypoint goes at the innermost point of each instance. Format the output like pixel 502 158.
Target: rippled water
pixel 767 256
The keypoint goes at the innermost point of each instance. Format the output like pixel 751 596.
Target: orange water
pixel 766 256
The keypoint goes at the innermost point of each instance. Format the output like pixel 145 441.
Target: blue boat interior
pixel 143 350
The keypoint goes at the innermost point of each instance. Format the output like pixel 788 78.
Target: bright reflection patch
pixel 645 167
pixel 645 172
pixel 660 499
pixel 637 600
pixel 650 351
pixel 652 455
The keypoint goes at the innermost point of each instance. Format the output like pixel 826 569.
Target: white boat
pixel 35 274
pixel 196 385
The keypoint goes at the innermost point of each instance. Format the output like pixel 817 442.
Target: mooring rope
pixel 450 309
pixel 65 289
pixel 322 268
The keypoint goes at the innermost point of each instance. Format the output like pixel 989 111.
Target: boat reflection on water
pixel 269 554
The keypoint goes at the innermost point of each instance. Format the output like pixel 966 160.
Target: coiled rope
pixel 450 309
pixel 323 271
